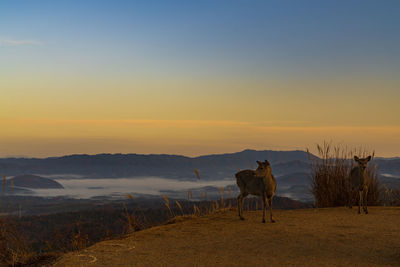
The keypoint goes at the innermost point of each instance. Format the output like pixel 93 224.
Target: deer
pixel 359 181
pixel 260 182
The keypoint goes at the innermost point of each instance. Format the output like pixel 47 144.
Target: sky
pixel 198 77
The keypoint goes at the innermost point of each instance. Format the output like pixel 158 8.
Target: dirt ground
pixel 311 237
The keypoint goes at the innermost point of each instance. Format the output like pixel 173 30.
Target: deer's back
pixel 245 177
pixel 249 182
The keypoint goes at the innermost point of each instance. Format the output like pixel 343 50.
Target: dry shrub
pixel 135 220
pixel 13 248
pixel 374 186
pixel 330 179
pixel 390 197
pixel 396 198
pixel 79 240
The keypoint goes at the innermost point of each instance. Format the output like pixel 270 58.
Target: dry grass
pixel 396 198
pixel 330 180
pixel 13 248
pixel 168 205
pixel 79 240
pixel 197 173
pixel 136 220
pixel 180 207
pixel 390 197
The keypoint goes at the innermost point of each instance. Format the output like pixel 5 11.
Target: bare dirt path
pixel 312 237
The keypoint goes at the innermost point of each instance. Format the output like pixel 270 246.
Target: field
pixel 308 237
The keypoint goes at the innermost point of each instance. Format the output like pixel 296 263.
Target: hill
pixel 34 181
pixel 211 167
pixel 131 165
pixel 310 237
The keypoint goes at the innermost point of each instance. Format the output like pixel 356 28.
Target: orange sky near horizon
pixel 41 118
pixel 43 138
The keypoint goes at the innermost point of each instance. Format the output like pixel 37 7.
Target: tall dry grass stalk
pixel 180 207
pixel 221 191
pixel 79 241
pixel 168 205
pixel 130 196
pixel 136 220
pixel 330 179
pixel 230 197
pixel 197 173
pixel 216 205
pixel 196 210
pixel 129 218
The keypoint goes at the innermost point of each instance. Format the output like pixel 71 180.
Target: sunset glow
pixel 197 77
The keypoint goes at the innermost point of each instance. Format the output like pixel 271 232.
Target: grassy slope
pixel 310 237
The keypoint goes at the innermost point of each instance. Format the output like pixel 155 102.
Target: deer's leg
pixel 264 202
pixel 365 200
pixel 241 198
pixel 359 201
pixel 350 199
pixel 240 205
pixel 270 208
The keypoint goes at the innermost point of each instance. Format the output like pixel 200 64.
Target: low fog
pixel 114 187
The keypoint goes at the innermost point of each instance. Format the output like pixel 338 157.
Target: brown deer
pixel 359 182
pixel 260 182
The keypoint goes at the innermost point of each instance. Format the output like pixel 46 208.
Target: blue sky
pixel 295 37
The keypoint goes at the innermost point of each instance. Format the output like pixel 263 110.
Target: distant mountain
pixel 297 178
pixel 210 167
pixel 388 166
pixel 390 182
pixel 295 166
pixel 131 165
pixel 34 182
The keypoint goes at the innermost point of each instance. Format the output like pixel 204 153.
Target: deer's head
pixel 362 162
pixel 263 168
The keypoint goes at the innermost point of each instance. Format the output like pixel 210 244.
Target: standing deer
pixel 260 182
pixel 359 181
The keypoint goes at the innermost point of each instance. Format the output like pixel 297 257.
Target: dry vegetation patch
pixel 330 177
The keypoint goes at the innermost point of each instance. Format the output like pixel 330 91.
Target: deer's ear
pixel 259 163
pixel 369 158
pixel 356 158
pixel 266 162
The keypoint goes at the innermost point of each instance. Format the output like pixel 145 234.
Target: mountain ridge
pixel 125 165
pixel 214 166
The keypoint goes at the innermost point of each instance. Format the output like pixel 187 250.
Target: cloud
pixel 13 42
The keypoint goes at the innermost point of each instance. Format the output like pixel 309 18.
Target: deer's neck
pixel 364 173
pixel 263 174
